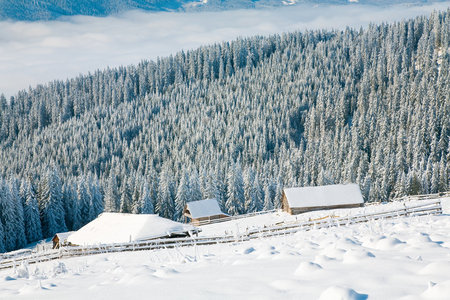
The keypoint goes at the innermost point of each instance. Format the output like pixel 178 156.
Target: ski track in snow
pixel 405 258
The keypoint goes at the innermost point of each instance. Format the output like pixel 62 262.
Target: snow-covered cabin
pixel 60 239
pixel 110 228
pixel 302 199
pixel 203 211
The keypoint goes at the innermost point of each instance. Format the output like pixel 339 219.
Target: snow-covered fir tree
pixel 33 229
pixel 51 204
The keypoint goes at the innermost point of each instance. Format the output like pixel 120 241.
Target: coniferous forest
pixel 237 121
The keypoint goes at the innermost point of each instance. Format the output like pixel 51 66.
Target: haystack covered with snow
pixel 121 228
pixel 303 199
pixel 203 211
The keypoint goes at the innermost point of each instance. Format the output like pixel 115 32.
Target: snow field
pixel 405 258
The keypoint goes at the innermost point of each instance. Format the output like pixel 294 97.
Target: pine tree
pixel 259 195
pixel 414 184
pixel 195 188
pixel 146 200
pixel 166 195
pixel 250 192
pixel 125 198
pixel 84 201
pixel 50 205
pixel 269 194
pixel 97 198
pixel 112 195
pixel 19 221
pixel 236 197
pixel 71 207
pixel 7 217
pixel 33 229
pixel 2 239
pixel 182 197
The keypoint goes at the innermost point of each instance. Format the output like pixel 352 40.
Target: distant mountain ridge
pixel 32 10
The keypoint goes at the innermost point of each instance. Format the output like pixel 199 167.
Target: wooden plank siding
pixel 198 221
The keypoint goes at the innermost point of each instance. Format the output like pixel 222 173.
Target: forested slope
pixel 238 121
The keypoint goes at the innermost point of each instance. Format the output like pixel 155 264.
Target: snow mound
pixel 306 268
pixel 285 284
pixel 341 293
pixel 321 259
pixel 422 240
pixel 333 252
pixel 264 251
pixel 165 272
pixel 384 243
pixel 122 228
pixel 436 268
pixel 438 291
pixel 355 256
pixel 346 244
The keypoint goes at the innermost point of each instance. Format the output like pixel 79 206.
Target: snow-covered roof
pixel 204 208
pixel 328 195
pixel 121 228
pixel 62 236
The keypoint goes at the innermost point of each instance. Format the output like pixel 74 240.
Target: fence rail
pixel 231 218
pixel 415 197
pixel 433 208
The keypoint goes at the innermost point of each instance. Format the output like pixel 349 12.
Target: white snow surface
pixel 204 208
pixel 403 258
pixel 327 195
pixel 121 228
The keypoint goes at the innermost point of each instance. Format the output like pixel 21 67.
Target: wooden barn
pixel 303 199
pixel 203 211
pixel 60 239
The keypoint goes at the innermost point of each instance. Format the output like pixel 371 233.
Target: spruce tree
pixel 235 197
pixel 8 216
pixel 33 229
pixel 50 204
pixel 182 197
pixel 112 195
pixel 19 221
pixel 84 202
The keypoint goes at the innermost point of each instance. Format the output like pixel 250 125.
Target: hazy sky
pixel 38 52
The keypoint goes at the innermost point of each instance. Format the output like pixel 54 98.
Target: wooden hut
pixel 203 211
pixel 303 199
pixel 60 239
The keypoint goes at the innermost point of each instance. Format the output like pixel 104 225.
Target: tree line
pixel 239 121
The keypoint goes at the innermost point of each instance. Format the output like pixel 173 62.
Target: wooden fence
pixel 432 208
pixel 407 198
pixel 237 217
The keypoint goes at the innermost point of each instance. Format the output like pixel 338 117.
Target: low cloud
pixel 38 52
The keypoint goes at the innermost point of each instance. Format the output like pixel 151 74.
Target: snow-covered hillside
pixel 407 258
